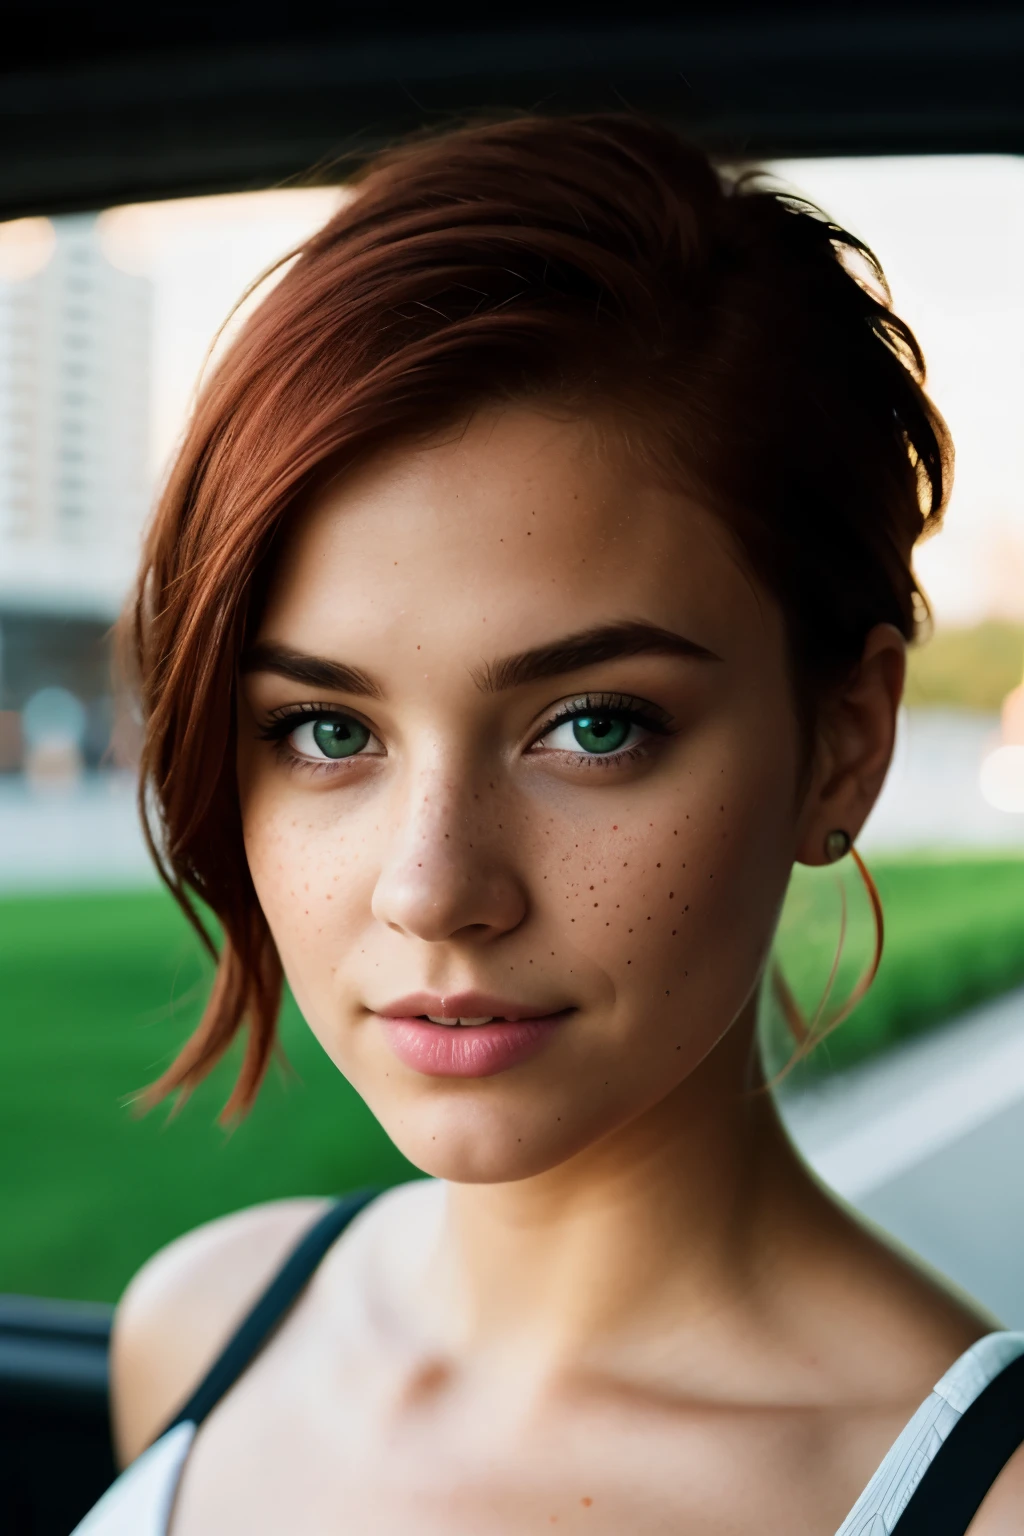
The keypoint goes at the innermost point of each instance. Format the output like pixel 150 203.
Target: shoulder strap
pixel 268 1311
pixel 969 1460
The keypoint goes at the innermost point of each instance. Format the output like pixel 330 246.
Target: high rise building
pixel 75 351
pixel 75 344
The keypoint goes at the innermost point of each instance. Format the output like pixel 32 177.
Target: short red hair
pixel 598 261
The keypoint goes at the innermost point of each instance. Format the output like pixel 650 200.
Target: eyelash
pixel 281 724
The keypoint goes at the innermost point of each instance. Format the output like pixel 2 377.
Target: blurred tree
pixel 967 668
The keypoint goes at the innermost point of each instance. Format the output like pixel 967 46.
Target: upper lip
pixel 464 1005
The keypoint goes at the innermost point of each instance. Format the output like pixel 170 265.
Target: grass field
pixel 954 936
pixel 97 992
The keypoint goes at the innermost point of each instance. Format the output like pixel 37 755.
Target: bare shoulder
pixel 182 1306
pixel 1002 1513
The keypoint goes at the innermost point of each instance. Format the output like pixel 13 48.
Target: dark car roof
pixel 103 103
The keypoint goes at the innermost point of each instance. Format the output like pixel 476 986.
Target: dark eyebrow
pixel 316 671
pixel 607 642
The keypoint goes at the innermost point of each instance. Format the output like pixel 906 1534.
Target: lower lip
pixel 472 1050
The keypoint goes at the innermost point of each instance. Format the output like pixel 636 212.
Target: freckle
pixel 586 1502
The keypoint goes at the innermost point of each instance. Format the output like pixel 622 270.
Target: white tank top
pixel 139 1503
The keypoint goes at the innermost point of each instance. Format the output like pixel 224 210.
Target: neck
pixel 676 1216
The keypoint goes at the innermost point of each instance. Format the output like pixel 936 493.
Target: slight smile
pixel 466 1034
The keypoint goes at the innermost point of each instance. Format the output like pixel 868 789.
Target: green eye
pixel 600 733
pixel 337 738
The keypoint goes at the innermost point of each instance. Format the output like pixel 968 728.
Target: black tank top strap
pixel 283 1290
pixel 969 1460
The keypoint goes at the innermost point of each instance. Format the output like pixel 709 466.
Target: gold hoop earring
pixel 806 1032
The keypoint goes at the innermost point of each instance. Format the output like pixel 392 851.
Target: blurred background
pixel 109 309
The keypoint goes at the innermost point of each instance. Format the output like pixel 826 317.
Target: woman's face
pixel 516 742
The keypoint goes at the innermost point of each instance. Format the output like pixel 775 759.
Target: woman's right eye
pixel 328 738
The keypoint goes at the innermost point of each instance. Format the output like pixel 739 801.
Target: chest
pixel 337 1457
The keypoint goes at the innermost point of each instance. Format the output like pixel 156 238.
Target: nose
pixel 448 869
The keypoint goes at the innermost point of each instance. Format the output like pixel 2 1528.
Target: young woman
pixel 532 590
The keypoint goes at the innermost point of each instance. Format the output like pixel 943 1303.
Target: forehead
pixel 519 524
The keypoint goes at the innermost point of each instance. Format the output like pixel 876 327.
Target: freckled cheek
pixel 675 903
pixel 307 879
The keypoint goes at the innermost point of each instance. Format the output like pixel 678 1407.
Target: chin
pixel 476 1143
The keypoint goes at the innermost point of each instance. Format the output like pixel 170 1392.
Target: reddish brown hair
pixel 600 262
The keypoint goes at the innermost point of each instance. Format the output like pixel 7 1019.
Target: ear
pixel 856 734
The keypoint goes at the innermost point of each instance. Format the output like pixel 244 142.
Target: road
pixel 929 1143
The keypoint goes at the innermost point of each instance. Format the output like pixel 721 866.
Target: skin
pixel 622 1303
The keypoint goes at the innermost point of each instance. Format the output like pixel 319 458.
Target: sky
pixel 949 231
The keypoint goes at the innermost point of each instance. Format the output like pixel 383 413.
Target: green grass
pixel 97 992
pixel 954 937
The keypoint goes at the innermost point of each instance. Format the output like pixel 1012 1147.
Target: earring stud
pixel 837 844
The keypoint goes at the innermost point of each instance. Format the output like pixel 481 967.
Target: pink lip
pixel 478 1050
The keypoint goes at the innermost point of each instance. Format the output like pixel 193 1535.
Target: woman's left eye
pixel 595 734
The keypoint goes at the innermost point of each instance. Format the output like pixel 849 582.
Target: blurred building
pixel 75 352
